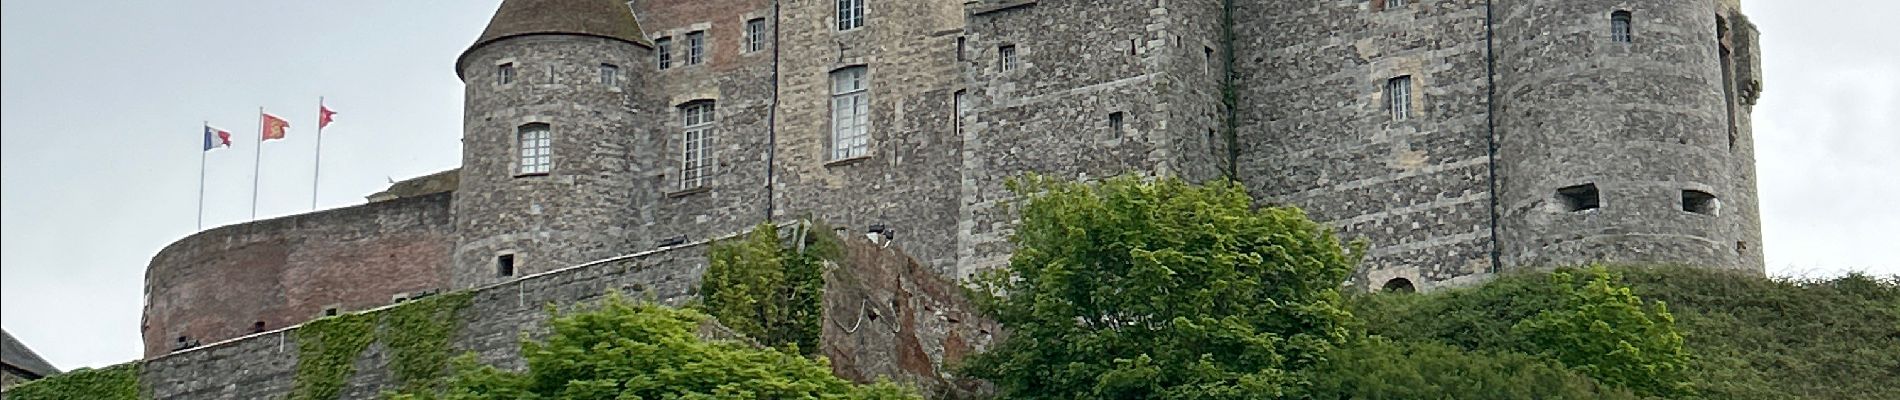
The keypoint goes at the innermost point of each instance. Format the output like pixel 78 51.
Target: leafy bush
pixel 774 294
pixel 1381 369
pixel 1160 289
pixel 623 350
pixel 118 382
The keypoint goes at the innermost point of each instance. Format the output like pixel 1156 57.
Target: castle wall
pixel 1744 80
pixel 216 284
pixel 605 153
pixel 1643 121
pixel 908 180
pixel 1315 129
pixel 1079 64
pixel 739 83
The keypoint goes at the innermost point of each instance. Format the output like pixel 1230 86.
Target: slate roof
pixel 15 354
pixel 611 19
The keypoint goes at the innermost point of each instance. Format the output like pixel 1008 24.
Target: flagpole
pixel 257 162
pixel 317 171
pixel 201 175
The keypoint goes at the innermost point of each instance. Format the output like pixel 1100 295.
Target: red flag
pixel 324 116
pixel 274 127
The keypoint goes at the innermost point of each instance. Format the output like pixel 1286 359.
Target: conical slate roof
pixel 610 19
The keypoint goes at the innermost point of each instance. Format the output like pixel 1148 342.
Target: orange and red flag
pixel 274 127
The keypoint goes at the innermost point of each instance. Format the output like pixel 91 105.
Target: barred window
pixel 755 35
pixel 1398 92
pixel 537 149
pixel 696 144
pixel 663 49
pixel 695 48
pixel 850 14
pixel 1620 27
pixel 1006 58
pixel 505 74
pixel 850 113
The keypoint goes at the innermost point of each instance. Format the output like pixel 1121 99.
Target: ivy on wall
pixel 118 382
pixel 416 336
pixel 770 288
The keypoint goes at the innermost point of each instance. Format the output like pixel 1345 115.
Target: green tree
pixel 1604 331
pixel 1382 369
pixel 761 288
pixel 623 350
pixel 1133 288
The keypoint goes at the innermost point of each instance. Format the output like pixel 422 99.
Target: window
pixel 696 144
pixel 1398 285
pixel 537 149
pixel 1398 93
pixel 1394 3
pixel 962 107
pixel 850 14
pixel 755 35
pixel 850 113
pixel 505 74
pixel 505 265
pixel 1207 64
pixel 695 48
pixel 1700 202
pixel 1006 58
pixel 663 48
pixel 1620 27
pixel 962 43
pixel 1579 198
pixel 257 327
pixel 1115 123
pixel 610 75
pixel 331 311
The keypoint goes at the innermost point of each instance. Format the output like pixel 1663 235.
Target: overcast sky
pixel 103 101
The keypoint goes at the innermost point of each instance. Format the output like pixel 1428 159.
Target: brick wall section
pixel 214 285
pixel 1315 130
pixel 1643 121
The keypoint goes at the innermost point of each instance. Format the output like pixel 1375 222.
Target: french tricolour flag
pixel 215 138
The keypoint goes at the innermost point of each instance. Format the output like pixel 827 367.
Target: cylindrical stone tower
pixel 1614 138
pixel 550 120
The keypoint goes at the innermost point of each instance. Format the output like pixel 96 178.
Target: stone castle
pixel 1459 138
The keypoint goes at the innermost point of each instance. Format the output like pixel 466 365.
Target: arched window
pixel 537 149
pixel 1620 27
pixel 696 143
pixel 1398 285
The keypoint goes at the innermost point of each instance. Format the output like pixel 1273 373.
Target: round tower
pixel 1614 136
pixel 549 121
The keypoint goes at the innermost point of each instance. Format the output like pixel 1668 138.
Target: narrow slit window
pixel 850 14
pixel 505 265
pixel 663 52
pixel 850 113
pixel 505 74
pixel 1398 93
pixel 1207 64
pixel 1579 198
pixel 1620 27
pixel 537 149
pixel 1006 58
pixel 696 48
pixel 1700 202
pixel 962 44
pixel 962 105
pixel 755 35
pixel 610 75
pixel 696 144
pixel 1115 122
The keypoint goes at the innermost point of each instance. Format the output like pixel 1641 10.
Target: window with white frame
pixel 755 35
pixel 505 74
pixel 537 149
pixel 695 48
pixel 1398 93
pixel 663 49
pixel 696 144
pixel 850 113
pixel 1620 27
pixel 610 75
pixel 1394 3
pixel 850 14
pixel 1006 58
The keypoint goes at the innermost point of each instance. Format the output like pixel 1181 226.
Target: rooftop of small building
pixel 16 355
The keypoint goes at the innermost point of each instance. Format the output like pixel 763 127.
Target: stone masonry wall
pixel 215 285
pixel 1316 129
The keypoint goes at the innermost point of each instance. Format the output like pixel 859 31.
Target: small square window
pixel 1115 122
pixel 1620 27
pixel 755 35
pixel 1579 198
pixel 1006 58
pixel 663 52
pixel 257 327
pixel 1700 202
pixel 610 75
pixel 850 14
pixel 505 265
pixel 330 311
pixel 505 74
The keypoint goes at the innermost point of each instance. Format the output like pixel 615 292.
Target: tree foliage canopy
pixel 623 350
pixel 1134 288
pixel 758 286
